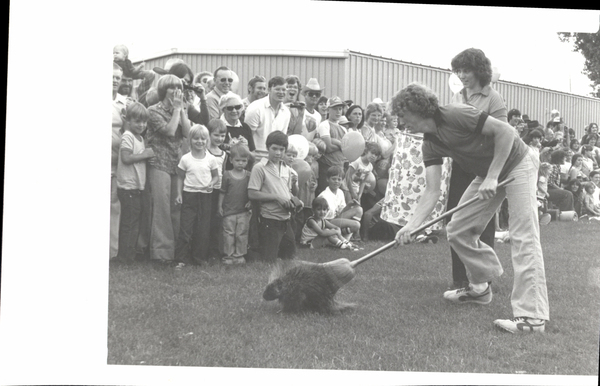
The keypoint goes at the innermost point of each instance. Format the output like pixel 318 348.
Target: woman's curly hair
pixel 416 99
pixel 473 59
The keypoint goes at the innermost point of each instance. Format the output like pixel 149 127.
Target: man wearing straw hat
pixel 312 92
pixel 488 148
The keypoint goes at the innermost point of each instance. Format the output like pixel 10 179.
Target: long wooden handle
pixel 424 226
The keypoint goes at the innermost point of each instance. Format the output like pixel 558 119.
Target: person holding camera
pixel 168 124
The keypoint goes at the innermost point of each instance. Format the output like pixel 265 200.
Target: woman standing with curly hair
pixel 167 126
pixel 474 70
pixel 488 148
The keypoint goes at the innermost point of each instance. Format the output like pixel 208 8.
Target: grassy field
pixel 215 316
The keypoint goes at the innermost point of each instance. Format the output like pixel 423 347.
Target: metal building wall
pixel 362 78
pixel 329 71
pixel 369 77
pixel 577 111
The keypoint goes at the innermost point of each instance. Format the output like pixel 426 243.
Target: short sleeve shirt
pixel 133 176
pixel 262 119
pixel 336 202
pixel 269 177
pixel 220 158
pixel 335 131
pixel 488 100
pixel 360 173
pixel 236 193
pixel 198 172
pixel 310 124
pixel 459 136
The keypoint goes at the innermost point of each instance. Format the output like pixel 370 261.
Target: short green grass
pixel 216 317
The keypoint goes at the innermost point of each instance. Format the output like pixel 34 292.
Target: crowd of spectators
pixel 200 172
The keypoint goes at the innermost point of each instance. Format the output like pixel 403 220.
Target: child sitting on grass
pixel 197 174
pixel 131 179
pixel 589 208
pixel 344 216
pixel 358 170
pixel 318 232
pixel 234 205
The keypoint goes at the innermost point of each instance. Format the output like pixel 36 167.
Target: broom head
pixel 340 271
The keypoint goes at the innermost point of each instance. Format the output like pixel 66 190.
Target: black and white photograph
pixel 301 192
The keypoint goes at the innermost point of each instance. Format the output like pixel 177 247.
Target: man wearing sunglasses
pixel 312 92
pixel 223 78
pixel 268 115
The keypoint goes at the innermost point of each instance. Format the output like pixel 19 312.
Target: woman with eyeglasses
pixel 232 107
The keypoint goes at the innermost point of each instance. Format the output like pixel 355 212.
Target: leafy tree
pixel 588 44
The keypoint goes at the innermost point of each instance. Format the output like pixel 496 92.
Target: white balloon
pixel 353 145
pixel 495 74
pixel 455 83
pixel 300 143
pixel 236 82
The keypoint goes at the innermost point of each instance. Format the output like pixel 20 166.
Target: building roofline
pixel 343 54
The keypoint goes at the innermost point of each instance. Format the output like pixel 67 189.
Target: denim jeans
pixel 129 226
pixel 529 295
pixel 194 240
pixel 276 239
pixel 235 234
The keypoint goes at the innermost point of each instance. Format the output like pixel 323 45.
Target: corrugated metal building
pixel 363 77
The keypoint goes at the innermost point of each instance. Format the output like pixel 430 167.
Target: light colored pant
pixel 529 296
pixel 165 214
pixel 115 217
pixel 235 234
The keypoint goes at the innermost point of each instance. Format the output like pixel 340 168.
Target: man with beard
pixel 223 79
pixel 126 86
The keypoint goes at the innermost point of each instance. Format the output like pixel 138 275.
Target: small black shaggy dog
pixel 306 287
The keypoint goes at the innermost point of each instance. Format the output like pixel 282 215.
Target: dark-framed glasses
pixel 237 107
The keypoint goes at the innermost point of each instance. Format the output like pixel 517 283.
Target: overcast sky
pixel 521 42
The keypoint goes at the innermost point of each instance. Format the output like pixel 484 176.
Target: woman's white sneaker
pixel 521 324
pixel 468 295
